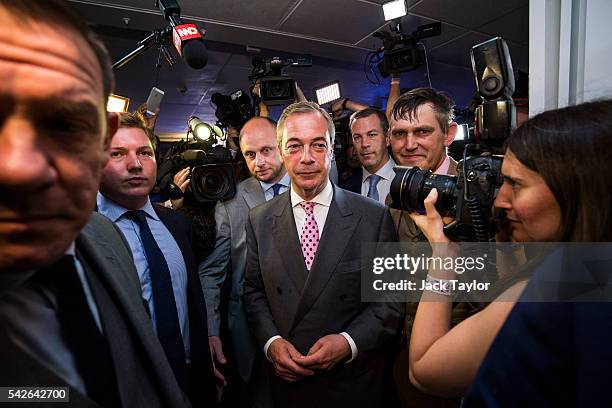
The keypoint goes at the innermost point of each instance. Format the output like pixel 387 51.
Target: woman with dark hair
pixel 557 188
pixel 558 353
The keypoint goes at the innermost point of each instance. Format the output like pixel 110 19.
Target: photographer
pixel 558 353
pixel 544 199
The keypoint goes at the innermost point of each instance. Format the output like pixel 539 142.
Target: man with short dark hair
pixel 161 242
pixel 369 131
pixel 70 307
pixel 302 289
pixel 420 129
pixel 268 180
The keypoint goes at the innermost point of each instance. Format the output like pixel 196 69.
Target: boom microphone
pixel 187 38
pixel 189 44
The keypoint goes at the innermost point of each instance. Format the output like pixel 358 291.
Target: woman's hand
pixel 431 224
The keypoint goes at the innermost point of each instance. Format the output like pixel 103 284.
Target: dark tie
pixel 82 335
pixel 168 329
pixel 276 189
pixel 372 191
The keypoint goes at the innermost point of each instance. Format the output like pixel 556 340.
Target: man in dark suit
pixel 268 179
pixel 303 278
pixel 161 242
pixel 70 308
pixel 369 131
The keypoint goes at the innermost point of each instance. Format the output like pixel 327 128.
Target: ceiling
pixel 337 33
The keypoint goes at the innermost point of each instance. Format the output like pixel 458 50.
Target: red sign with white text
pixel 183 33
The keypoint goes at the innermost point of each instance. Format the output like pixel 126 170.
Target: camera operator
pixel 258 143
pixel 545 199
pixel 369 133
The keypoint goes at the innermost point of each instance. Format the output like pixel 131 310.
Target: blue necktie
pixel 276 189
pixel 372 191
pixel 168 329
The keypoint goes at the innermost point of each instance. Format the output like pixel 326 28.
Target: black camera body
pixel 469 196
pixel 233 110
pixel 276 88
pixel 401 52
pixel 212 172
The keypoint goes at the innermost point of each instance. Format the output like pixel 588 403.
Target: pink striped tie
pixel 309 239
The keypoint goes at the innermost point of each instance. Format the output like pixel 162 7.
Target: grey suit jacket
pixel 230 252
pixel 143 374
pixel 282 298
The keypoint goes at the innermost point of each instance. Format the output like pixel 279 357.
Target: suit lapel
pixel 339 227
pixel 253 194
pixel 286 239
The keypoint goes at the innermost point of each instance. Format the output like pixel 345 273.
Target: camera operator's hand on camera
pixel 181 180
pixel 431 224
pixel 263 108
pixel 256 90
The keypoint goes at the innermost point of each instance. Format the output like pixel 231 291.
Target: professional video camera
pixel 212 174
pixel 401 52
pixel 233 110
pixel 276 88
pixel 469 197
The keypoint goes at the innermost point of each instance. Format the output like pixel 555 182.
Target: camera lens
pixel 411 186
pixel 278 90
pixel 212 182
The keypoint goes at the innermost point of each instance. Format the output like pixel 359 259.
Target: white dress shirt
pixel 386 174
pixel 323 201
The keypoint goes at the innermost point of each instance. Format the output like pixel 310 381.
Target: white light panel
pixel 394 9
pixel 328 93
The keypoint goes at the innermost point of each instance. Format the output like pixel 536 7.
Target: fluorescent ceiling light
pixel 117 103
pixel 327 93
pixel 394 9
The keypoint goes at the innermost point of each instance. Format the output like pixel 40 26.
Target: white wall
pixel 570 52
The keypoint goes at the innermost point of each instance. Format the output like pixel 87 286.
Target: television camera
pixel 233 110
pixel 211 170
pixel 401 52
pixel 276 88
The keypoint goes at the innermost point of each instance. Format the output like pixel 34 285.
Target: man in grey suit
pixel 303 278
pixel 71 313
pixel 268 179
